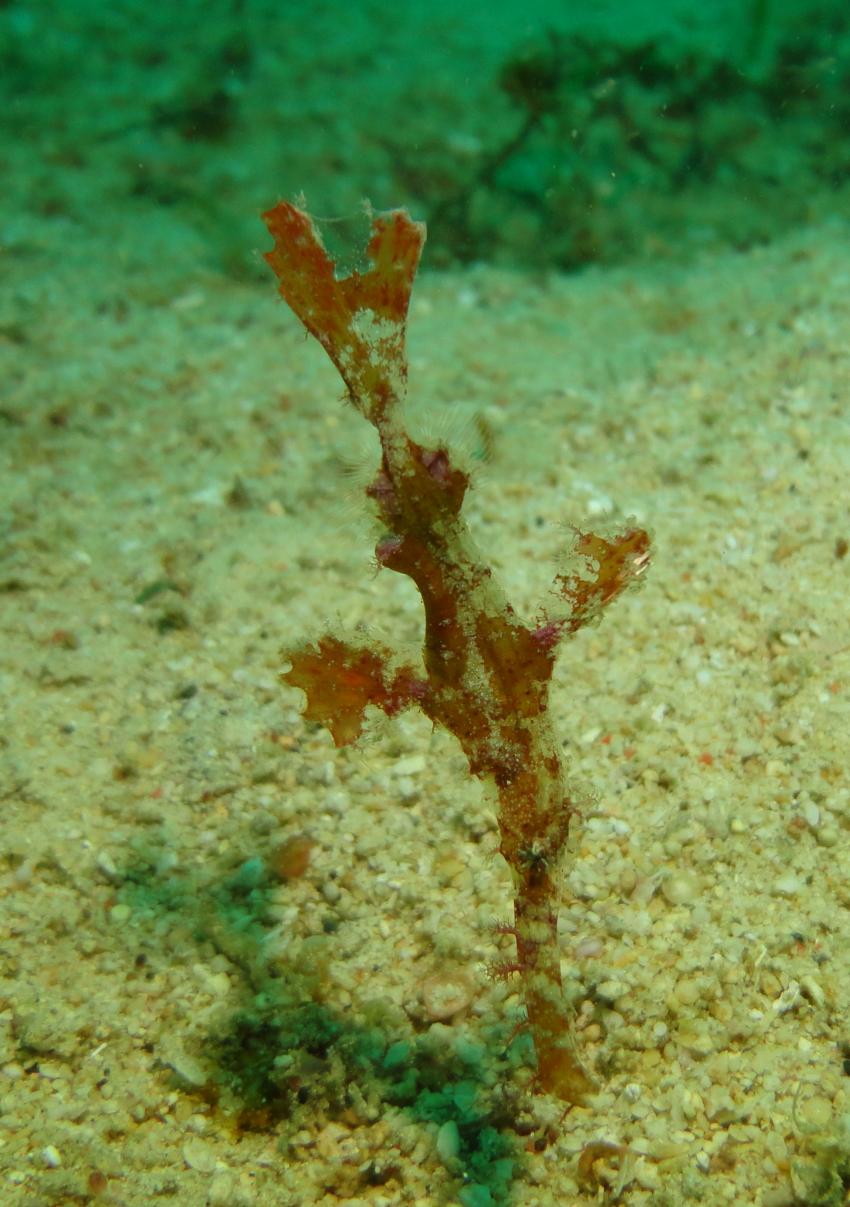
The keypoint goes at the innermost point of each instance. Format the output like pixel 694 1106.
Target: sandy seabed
pixel 177 510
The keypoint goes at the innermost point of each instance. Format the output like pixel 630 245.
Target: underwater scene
pixel 424 575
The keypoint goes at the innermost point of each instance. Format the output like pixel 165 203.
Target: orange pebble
pixel 97 1182
pixel 292 858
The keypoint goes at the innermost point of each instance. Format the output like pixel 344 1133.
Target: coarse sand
pixel 178 846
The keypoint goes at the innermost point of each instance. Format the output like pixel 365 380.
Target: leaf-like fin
pixel 360 319
pixel 340 680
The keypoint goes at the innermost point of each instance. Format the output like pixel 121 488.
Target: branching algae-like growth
pixel 485 674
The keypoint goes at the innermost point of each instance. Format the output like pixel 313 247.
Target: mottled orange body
pixel 485 673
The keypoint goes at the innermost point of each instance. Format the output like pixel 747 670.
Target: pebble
pixel 216 984
pixel 815 1112
pixel 448 1141
pixel 811 813
pixel 770 984
pixel 788 999
pixel 612 991
pixel 812 990
pixel 627 879
pixel 24 873
pixel 187 1068
pixel 647 1175
pixel 199 1155
pixel 588 949
pixel 697 1041
pixel 787 885
pixel 223 1191
pixel 446 868
pixel 106 864
pixel 788 735
pixel 331 891
pixel 827 835
pixel 336 801
pixel 779 1196
pixel 412 765
pixel 838 803
pixel 408 789
pixel 691 1104
pixel 446 994
pixel 599 507
pixel 680 888
pixel 51 1156
pixel 688 991
pixel 368 843
pixel 719 1103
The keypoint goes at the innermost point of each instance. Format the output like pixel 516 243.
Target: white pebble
pixel 51 1156
pixel 680 888
pixel 413 764
pixel 812 989
pixel 788 998
pixel 599 507
pixel 188 1068
pixel 106 864
pixel 816 1113
pixel 448 1141
pixel 612 991
pixel 811 813
pixel 588 948
pixel 199 1155
pixel 407 789
pixel 336 801
pixel 446 994
pixel 787 885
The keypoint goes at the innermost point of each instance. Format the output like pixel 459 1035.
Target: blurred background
pixel 536 134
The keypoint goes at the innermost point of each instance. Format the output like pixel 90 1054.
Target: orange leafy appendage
pixel 360 319
pixel 340 680
pixel 611 566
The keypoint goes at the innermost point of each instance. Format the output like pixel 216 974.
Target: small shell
pixel 447 993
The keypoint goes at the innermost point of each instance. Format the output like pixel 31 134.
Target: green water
pixel 542 133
